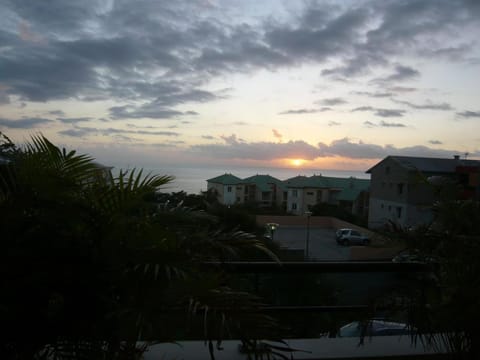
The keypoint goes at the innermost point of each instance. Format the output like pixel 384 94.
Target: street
pixel 322 244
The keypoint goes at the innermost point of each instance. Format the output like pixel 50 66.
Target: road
pixel 322 244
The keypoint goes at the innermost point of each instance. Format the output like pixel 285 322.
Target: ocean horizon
pixel 193 179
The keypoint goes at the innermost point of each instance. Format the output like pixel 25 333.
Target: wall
pixel 385 195
pixel 229 198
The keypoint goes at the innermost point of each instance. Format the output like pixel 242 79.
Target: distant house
pixel 305 192
pixel 297 195
pixel 264 190
pixel 403 188
pixel 228 188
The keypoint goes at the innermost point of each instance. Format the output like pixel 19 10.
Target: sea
pixel 193 179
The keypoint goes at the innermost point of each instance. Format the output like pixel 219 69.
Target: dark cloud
pixel 57 113
pixel 401 89
pixel 435 142
pixel 74 120
pixel 4 98
pixel 134 126
pixel 429 105
pixel 77 132
pixel 400 73
pixel 277 135
pixel 86 131
pixel 383 124
pixel 334 35
pixel 346 148
pixel 389 112
pixel 24 123
pixel 150 110
pixel 304 111
pixel 469 114
pixel 165 51
pixel 376 94
pixel 232 139
pixel 208 137
pixel 381 112
pixel 390 124
pixel 334 123
pixel 414 26
pixel 453 53
pixel 332 101
pixel 235 149
pixel 403 73
pixel 364 108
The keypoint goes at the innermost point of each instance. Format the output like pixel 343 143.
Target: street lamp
pixel 272 227
pixel 307 240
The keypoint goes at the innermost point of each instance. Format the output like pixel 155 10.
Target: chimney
pixel 456 157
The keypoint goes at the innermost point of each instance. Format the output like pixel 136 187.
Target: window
pixel 400 189
pixel 229 189
pixel 387 170
pixel 294 206
pixel 295 193
pixel 265 195
pixel 310 193
pixel 399 212
pixel 389 208
pixel 381 206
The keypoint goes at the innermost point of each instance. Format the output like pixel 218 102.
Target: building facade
pixel 264 190
pixel 296 195
pixel 227 187
pixel 305 192
pixel 403 189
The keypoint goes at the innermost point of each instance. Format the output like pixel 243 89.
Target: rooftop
pixel 226 179
pixel 430 165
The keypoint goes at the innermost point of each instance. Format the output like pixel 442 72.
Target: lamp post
pixel 272 227
pixel 307 240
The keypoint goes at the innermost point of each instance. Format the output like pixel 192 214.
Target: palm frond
pixel 129 188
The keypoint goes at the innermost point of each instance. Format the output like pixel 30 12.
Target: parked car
pixel 374 328
pixel 351 237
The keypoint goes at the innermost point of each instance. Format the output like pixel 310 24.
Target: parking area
pixel 322 244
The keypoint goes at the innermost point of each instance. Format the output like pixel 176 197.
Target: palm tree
pixel 89 264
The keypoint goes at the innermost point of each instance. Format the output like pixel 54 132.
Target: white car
pixel 351 237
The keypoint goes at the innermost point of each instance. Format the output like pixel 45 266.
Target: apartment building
pixel 305 192
pixel 403 189
pixel 296 195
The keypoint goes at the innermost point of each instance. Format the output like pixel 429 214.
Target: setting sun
pixel 297 162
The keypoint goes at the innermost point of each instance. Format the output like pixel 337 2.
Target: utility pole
pixel 307 240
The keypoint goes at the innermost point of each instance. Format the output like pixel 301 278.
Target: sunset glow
pixel 297 162
pixel 297 84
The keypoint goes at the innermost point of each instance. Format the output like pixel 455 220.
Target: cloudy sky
pixel 316 84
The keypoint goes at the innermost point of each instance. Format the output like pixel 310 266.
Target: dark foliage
pixel 90 264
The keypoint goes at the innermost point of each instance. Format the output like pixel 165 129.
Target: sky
pixel 307 84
